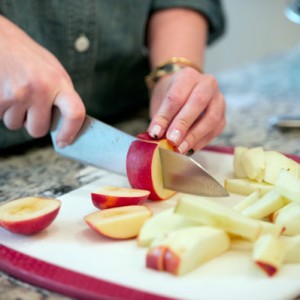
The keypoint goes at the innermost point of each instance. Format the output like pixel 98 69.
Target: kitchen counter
pixel 255 92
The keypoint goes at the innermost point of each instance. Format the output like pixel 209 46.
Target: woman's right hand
pixel 32 82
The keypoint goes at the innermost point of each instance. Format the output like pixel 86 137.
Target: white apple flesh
pixel 28 215
pixel 122 222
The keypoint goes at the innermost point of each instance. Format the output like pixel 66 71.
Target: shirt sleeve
pixel 212 10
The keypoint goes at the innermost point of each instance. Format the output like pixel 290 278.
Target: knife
pixel 103 146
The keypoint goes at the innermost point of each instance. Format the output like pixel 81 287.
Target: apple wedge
pixel 144 170
pixel 293 249
pixel 265 206
pixel 238 169
pixel 247 201
pixel 246 186
pixel 214 214
pixel 268 253
pixel 113 196
pixel 28 215
pixel 253 163
pixel 186 249
pixel 289 217
pixel 288 186
pixel 122 222
pixel 160 224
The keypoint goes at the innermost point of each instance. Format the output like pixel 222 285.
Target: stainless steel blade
pixel 97 144
pixel 183 174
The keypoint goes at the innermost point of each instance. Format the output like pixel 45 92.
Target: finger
pixel 173 101
pixel 73 113
pixel 213 117
pixel 14 117
pixel 192 110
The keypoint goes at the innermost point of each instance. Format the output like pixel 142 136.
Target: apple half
pixel 122 222
pixel 29 215
pixel 114 196
pixel 143 166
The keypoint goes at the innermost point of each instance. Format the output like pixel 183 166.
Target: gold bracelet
pixel 169 66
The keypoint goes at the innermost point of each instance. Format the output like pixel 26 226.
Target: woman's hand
pixel 189 108
pixel 32 81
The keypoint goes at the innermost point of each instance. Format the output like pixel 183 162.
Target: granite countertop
pixel 254 92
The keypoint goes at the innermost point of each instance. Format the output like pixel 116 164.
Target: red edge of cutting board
pixel 71 283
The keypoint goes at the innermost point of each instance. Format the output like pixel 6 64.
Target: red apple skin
pixel 270 270
pixel 155 258
pixel 31 226
pixel 103 201
pixel 171 262
pixel 146 137
pixel 140 167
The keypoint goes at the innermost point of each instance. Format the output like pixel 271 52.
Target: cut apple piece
pixel 214 214
pixel 186 249
pixel 265 206
pixel 274 163
pixel 292 245
pixel 288 186
pixel 289 217
pixel 253 163
pixel 238 169
pixel 160 224
pixel 246 202
pixel 29 215
pixel 113 196
pixel 246 186
pixel 240 244
pixel 271 228
pixel 144 170
pixel 268 253
pixel 122 222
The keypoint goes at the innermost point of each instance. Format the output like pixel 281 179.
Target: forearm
pixel 177 32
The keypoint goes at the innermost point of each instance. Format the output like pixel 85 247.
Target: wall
pixel 255 28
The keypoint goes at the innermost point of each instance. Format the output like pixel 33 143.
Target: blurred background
pixel 255 29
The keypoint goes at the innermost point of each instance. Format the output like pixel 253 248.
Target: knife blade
pixel 103 146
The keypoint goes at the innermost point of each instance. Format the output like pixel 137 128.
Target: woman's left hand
pixel 188 108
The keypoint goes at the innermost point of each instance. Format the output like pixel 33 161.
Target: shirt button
pixel 82 43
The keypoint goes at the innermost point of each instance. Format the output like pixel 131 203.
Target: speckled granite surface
pixel 254 93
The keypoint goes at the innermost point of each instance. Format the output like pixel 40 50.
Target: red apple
pixel 155 258
pixel 113 196
pixel 122 222
pixel 28 215
pixel 144 168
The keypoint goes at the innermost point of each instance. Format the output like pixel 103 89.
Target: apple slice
pixel 288 186
pixel 271 228
pixel 246 202
pixel 122 222
pixel 29 215
pixel 238 169
pixel 113 196
pixel 160 224
pixel 268 253
pixel 144 170
pixel 214 214
pixel 185 249
pixel 274 163
pixel 265 206
pixel 246 186
pixel 293 249
pixel 289 217
pixel 253 163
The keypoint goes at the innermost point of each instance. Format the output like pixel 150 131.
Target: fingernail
pixel 155 131
pixel 61 144
pixel 182 148
pixel 174 136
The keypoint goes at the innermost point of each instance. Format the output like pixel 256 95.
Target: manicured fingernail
pixel 174 136
pixel 61 144
pixel 155 131
pixel 182 148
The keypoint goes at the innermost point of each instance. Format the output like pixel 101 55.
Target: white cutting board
pixel 71 244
